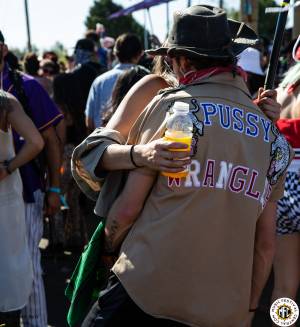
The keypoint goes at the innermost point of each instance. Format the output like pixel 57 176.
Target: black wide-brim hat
pixel 205 31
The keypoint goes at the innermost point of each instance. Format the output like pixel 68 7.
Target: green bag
pixel 88 278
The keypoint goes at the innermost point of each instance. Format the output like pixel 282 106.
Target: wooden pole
pixel 27 26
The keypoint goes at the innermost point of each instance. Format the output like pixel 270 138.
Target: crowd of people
pixel 189 252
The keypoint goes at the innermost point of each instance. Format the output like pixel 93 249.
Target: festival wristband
pixel 54 190
pixel 131 157
pixel 6 166
pixel 57 190
pixel 253 310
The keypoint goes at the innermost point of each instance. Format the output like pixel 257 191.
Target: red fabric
pixel 207 72
pixel 293 87
pixel 290 128
pixel 298 53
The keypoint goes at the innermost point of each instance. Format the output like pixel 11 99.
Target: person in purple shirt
pixel 45 115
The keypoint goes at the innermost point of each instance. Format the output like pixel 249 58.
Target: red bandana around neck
pixel 194 76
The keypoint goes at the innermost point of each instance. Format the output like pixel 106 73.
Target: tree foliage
pixel 60 50
pixel 20 53
pixel 99 13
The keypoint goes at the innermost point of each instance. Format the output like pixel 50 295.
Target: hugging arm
pixel 127 208
pixel 154 155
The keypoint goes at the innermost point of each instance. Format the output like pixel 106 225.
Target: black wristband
pixel 253 310
pixel 6 165
pixel 131 157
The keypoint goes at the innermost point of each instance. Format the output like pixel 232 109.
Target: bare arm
pixel 23 125
pixel 53 157
pixel 61 134
pixel 264 250
pixel 135 102
pixel 126 209
pixel 155 155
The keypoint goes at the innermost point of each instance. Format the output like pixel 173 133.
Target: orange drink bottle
pixel 179 129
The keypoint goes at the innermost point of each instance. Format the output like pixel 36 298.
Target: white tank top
pixel 15 264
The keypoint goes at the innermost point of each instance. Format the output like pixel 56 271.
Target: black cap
pixel 1 37
pixel 85 44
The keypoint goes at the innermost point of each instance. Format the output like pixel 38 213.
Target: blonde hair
pixel 161 69
pixel 292 76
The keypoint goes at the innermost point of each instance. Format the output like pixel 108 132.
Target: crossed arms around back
pixel 90 164
pixel 128 205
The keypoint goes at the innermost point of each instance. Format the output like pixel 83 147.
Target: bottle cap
pixel 181 107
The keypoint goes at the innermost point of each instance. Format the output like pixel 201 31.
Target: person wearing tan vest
pixel 200 248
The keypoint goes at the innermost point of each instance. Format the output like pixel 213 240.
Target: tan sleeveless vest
pixel 189 255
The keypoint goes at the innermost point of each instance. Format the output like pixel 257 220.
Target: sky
pixel 63 20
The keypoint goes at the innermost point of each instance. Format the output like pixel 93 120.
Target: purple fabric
pixel 141 5
pixel 43 113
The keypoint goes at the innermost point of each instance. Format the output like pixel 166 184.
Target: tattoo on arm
pixel 110 234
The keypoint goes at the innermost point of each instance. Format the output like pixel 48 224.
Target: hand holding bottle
pixel 179 129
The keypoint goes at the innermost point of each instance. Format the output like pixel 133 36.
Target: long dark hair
pixel 31 64
pixel 124 83
pixel 69 97
pixel 71 91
